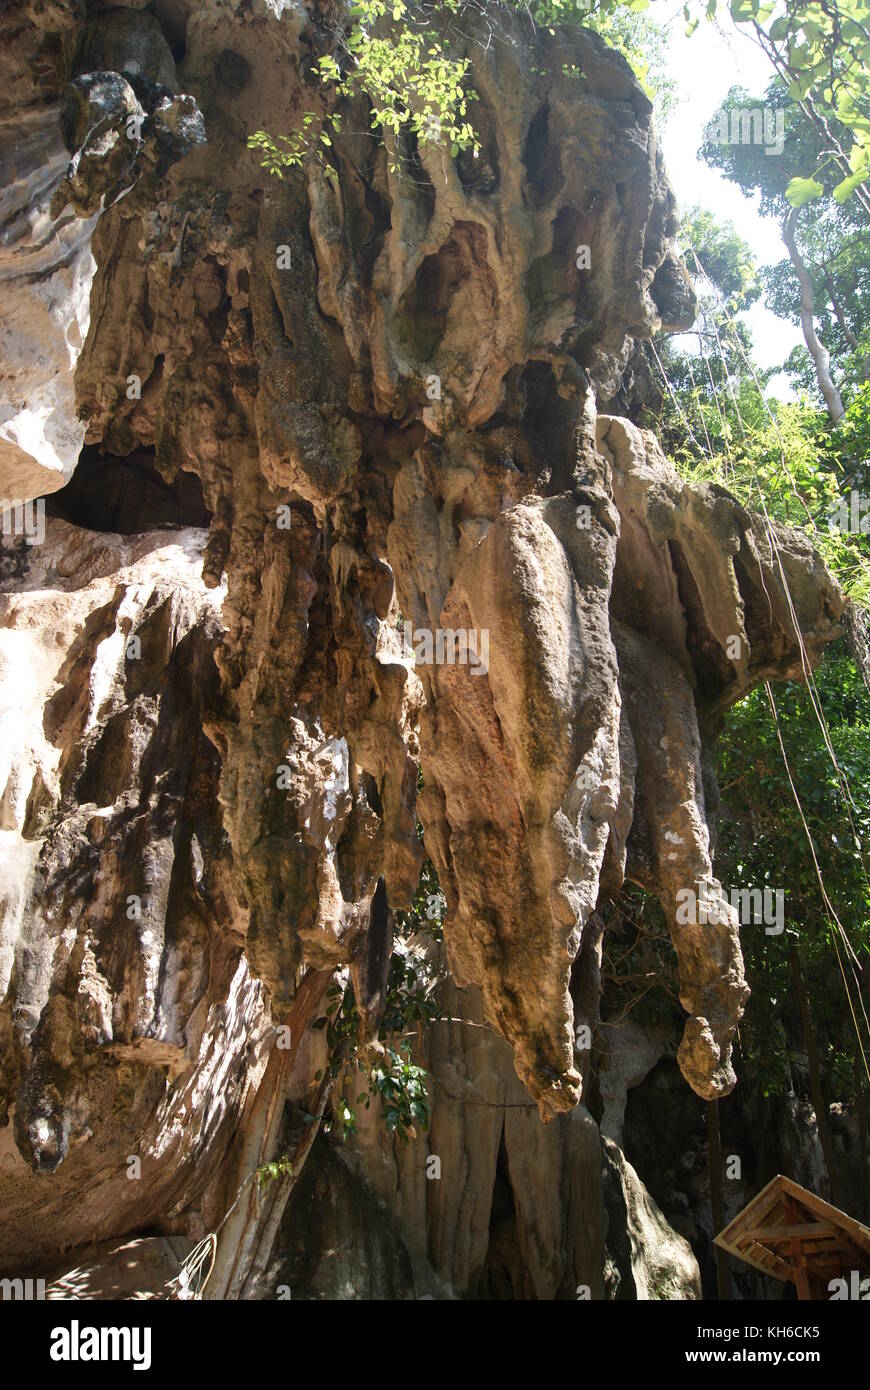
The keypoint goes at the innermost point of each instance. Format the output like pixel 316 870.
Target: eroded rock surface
pixel 386 384
pixel 128 1003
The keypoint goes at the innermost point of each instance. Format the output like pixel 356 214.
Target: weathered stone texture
pixel 250 775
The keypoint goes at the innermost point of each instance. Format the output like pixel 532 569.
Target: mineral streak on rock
pixel 400 368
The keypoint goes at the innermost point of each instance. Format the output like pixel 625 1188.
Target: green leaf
pixel 800 191
pixel 842 190
pixel 859 158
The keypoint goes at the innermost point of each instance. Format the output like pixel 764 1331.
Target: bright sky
pixel 714 59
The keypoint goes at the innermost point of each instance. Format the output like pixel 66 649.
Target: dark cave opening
pixel 127 495
pixel 549 420
pixel 372 793
pixel 503 1277
pixel 541 160
pixel 423 315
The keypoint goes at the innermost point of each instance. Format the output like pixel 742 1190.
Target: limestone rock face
pixel 128 1004
pixel 417 547
pixel 649 1260
pixel 46 272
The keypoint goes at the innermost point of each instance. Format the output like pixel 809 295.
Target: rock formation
pixel 306 414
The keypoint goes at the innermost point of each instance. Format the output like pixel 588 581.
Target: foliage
pixel 429 905
pixel 416 85
pixel 278 1168
pixel 402 1089
pixel 717 425
pixel 393 56
pixel 833 237
pixel 711 394
pixel 639 964
pixel 409 1006
pixel 762 840
pixel 821 52
pixel 727 259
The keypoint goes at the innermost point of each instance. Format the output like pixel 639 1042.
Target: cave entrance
pixel 127 495
pixel 504 1277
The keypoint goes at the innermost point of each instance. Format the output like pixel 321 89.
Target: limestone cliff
pixel 304 415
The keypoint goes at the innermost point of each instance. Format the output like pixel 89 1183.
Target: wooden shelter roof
pixel 785 1227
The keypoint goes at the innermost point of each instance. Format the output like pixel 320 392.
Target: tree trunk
pixel 279 1196
pixel 237 1242
pixel 861 1107
pixel 817 350
pixel 714 1157
pixel 816 1093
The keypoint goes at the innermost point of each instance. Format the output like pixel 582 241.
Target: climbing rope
pixel 190 1282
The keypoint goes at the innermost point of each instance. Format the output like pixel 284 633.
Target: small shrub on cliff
pixel 417 85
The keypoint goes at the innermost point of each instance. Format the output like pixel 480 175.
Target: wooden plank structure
pixel 793 1235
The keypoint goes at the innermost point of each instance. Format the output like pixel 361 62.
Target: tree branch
pixel 817 350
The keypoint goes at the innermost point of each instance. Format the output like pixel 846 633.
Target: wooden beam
pixel 860 1234
pixel 795 1253
pixel 805 1230
pixel 792 1235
